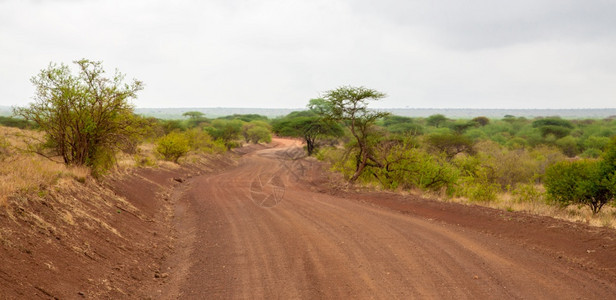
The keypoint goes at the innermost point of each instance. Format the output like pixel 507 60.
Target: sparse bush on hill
pixel 173 146
pixel 85 117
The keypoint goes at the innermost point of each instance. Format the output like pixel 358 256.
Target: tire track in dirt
pixel 315 245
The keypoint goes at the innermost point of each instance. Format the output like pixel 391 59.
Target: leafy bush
pixel 173 146
pixel 479 191
pixel 201 141
pixel 14 122
pixel 437 120
pixel 228 131
pixel 257 132
pixel 580 182
pixel 568 145
pixel 482 121
pixel 527 192
pixel 408 167
pixel 591 153
pixel 86 117
pixel 450 144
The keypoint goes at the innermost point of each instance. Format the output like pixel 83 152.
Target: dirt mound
pixel 92 239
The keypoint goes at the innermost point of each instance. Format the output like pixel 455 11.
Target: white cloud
pixel 276 53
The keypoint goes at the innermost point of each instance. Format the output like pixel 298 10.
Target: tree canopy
pixel 349 105
pixel 307 125
pixel 86 116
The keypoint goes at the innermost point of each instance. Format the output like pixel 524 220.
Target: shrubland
pixel 82 125
pixel 545 165
pixel 548 164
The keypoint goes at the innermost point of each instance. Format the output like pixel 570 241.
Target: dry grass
pixel 538 206
pixel 21 171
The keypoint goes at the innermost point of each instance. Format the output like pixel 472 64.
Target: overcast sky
pixel 281 53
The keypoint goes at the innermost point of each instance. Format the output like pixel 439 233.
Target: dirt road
pixel 263 230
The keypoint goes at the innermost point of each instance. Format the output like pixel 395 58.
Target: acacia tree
pixel 309 126
pixel 350 105
pixel 85 117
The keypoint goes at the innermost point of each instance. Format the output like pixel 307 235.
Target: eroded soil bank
pixel 93 240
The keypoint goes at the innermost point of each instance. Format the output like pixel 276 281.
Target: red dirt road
pixel 266 229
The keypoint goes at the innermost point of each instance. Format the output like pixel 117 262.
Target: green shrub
pixel 259 134
pixel 580 182
pixel 568 145
pixel 201 141
pixel 450 144
pixel 527 192
pixel 592 153
pixel 477 190
pixel 173 146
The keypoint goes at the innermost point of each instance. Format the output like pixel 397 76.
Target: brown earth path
pixel 263 229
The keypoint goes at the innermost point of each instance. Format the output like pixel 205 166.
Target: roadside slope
pixel 94 240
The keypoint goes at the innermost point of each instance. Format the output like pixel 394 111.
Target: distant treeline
pixel 176 113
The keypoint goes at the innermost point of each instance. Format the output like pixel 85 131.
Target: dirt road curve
pixel 260 230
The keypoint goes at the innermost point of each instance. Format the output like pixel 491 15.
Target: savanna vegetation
pixel 85 121
pixel 542 164
pixel 82 124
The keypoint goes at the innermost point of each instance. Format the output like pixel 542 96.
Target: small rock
pixel 180 180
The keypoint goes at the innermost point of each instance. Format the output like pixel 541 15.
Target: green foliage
pixel 228 131
pixel 482 121
pixel 591 153
pixel 194 114
pixel 309 126
pixel 401 125
pixel 15 122
pixel 450 144
pixel 409 167
pixel 596 142
pixel 553 121
pixel 245 117
pixel 256 132
pixel 460 126
pixel 350 105
pixel 557 127
pixel 568 145
pixel 86 116
pixel 585 182
pixel 169 126
pixel 477 190
pixel 195 119
pixel 201 141
pixel 259 134
pixel 527 193
pixel 173 146
pixel 437 120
